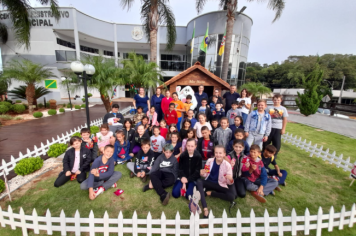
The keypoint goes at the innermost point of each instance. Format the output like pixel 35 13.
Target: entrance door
pixel 207 89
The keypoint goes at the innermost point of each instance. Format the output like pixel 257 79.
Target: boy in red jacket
pixel 170 115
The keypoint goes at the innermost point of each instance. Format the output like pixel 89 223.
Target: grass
pixel 311 183
pixel 18 118
pixel 6 117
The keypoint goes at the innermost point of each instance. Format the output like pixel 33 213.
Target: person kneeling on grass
pixel 76 163
pixel 189 167
pixel 122 148
pixel 163 173
pixel 102 175
pixel 144 162
pixel 89 143
pixel 255 175
pixel 268 158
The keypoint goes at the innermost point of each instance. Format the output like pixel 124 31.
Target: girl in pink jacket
pixel 152 115
pixel 218 180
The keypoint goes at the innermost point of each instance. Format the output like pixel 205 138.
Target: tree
pixel 256 90
pixel 136 71
pixel 309 102
pixel 21 19
pixel 230 6
pixel 154 12
pixel 20 92
pixel 29 73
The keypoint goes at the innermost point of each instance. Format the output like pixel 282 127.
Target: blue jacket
pixel 233 128
pixel 230 147
pixel 263 176
pixel 118 147
pixel 252 121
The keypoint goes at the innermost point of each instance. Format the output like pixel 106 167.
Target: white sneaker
pixel 99 191
pixel 114 185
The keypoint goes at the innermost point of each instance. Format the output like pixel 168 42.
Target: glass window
pixel 163 57
pixel 61 55
pixel 169 57
pixel 71 55
pixel 118 54
pixel 108 53
pixel 65 43
pixel 176 58
pixel 89 49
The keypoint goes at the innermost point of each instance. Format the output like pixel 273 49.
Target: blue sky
pixel 307 27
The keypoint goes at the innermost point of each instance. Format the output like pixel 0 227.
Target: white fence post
pixel 177 224
pixel 62 219
pixel 342 218
pixel 306 222
pixel 266 217
pixel 2 218
pixel 120 222
pixel 294 222
pixel 211 223
pixel 163 224
pixel 49 222
pixel 224 224
pixel 106 224
pixel 238 223
pixel 191 225
pixel 331 219
pixel 23 222
pixel 280 222
pixel 11 218
pixel 77 223
pixel 319 222
pixel 252 223
pixel 35 221
pixel 134 224
pixel 352 216
pixel 91 223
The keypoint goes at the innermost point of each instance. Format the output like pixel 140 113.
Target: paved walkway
pixel 346 127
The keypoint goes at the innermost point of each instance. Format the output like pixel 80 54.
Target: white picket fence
pixel 42 150
pixel 314 150
pixel 194 226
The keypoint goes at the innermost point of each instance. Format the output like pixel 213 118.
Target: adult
pixel 179 108
pixel 216 93
pixel 245 96
pixel 200 95
pixel 156 101
pixel 230 97
pixel 141 100
pixel 166 101
pixel 114 119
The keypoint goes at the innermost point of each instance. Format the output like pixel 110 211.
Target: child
pixel 213 103
pixel 190 164
pixel 114 119
pixel 177 145
pixel 157 142
pixel 223 135
pixel 76 163
pixel 89 143
pixel 102 175
pixel 214 125
pixel 185 127
pixel 190 117
pixel 171 115
pixel 188 103
pixel 258 125
pixel 202 122
pixel 171 129
pixel 204 109
pixel 128 130
pixel 255 175
pixel 163 129
pixel 235 157
pixel 122 148
pixel 206 144
pixel 268 158
pixel 138 116
pixel 239 134
pixel 144 121
pixel 190 135
pixel 103 137
pixel 144 162
pixel 140 135
pixel 217 175
pixel 279 116
pixel 163 173
pixel 233 112
pixel 238 124
pixel 152 115
pixel 218 112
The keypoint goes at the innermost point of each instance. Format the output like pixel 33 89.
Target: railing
pixel 194 226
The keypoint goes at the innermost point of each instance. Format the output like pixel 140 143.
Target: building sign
pixel 39 18
pixel 196 81
pixel 51 84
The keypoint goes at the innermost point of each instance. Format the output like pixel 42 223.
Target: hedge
pixel 77 107
pixel 57 149
pixel 61 110
pixel 37 114
pixel 52 112
pixel 28 165
pixel 18 108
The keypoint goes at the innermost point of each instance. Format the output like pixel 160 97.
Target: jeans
pixel 161 180
pixel 178 185
pixel 284 173
pixel 274 138
pixel 239 188
pixel 106 184
pixel 253 186
pixel 178 123
pixel 254 138
pixel 244 117
pixel 62 178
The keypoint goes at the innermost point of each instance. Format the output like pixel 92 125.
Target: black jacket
pixel 110 115
pixel 93 150
pixel 129 135
pixel 211 148
pixel 141 161
pixel 137 140
pixel 236 169
pixel 69 158
pixel 207 113
pixel 189 167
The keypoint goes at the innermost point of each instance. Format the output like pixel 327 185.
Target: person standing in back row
pixel 156 101
pixel 141 100
pixel 200 95
pixel 230 97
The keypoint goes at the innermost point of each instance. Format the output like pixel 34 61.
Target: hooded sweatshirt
pixel 222 136
pixel 163 164
pixel 144 161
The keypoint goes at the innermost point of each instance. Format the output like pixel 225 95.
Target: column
pixel 76 36
pixel 115 46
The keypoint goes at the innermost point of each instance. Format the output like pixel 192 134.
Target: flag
pixel 204 43
pixel 192 43
pixel 222 46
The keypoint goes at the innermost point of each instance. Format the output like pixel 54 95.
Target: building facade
pixel 56 43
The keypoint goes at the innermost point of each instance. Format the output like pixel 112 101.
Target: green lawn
pixel 311 183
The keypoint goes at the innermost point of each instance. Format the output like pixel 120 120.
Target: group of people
pixel 222 149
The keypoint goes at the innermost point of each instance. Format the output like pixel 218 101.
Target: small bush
pixel 3 109
pixel 52 112
pixel 83 99
pixel 47 104
pixel 90 95
pixel 18 108
pixel 6 117
pixel 18 101
pixel 57 149
pixel 7 104
pixel 37 114
pixel 77 107
pixel 94 129
pixel 69 106
pixel 28 165
pixel 61 110
pixel 83 105
pixel 40 105
pixel 77 134
pixel 64 105
pixel 2 186
pixel 18 118
pixel 9 101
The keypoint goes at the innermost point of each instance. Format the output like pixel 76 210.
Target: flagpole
pixel 238 58
pixel 191 57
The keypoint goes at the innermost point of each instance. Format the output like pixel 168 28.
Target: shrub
pixel 77 134
pixel 83 105
pixel 2 186
pixel 18 118
pixel 26 106
pixel 40 105
pixel 6 117
pixel 52 112
pixel 90 95
pixel 57 149
pixel 3 109
pixel 18 108
pixel 69 106
pixel 28 165
pixel 18 101
pixel 61 110
pixel 64 105
pixel 77 107
pixel 37 114
pixel 83 99
pixel 47 104
pixel 9 101
pixel 94 129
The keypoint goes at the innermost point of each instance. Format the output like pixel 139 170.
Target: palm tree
pixel 136 71
pixel 256 90
pixel 21 19
pixel 27 72
pixel 154 12
pixel 230 6
pixel 20 92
